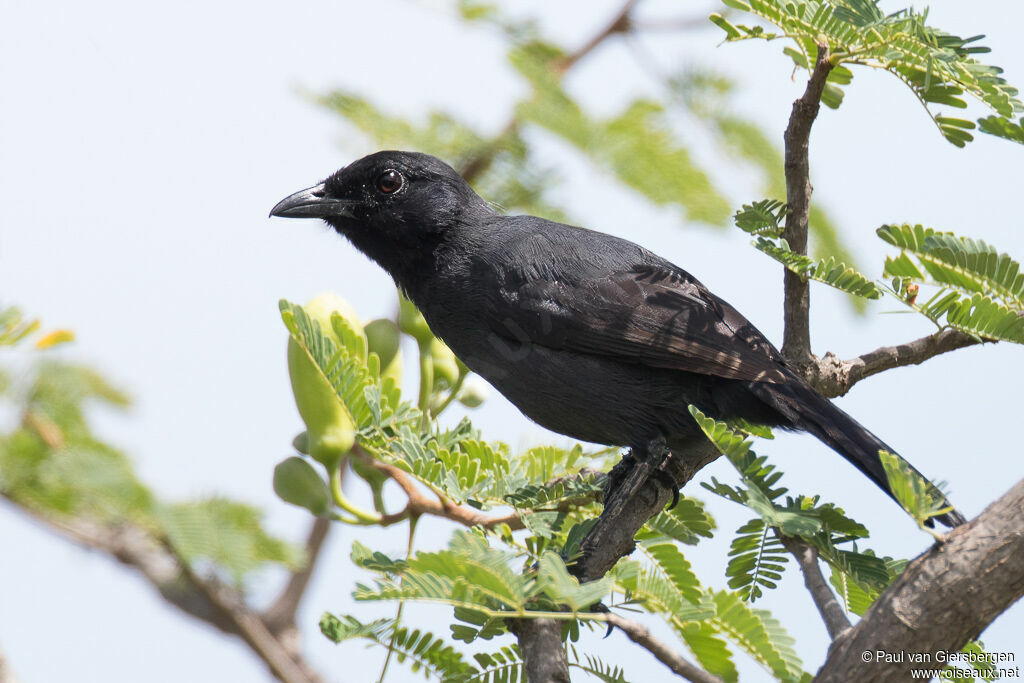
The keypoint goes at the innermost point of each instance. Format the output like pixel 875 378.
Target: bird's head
pixel 392 205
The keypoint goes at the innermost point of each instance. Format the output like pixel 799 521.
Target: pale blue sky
pixel 144 143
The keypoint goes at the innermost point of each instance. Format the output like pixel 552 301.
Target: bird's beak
pixel 313 202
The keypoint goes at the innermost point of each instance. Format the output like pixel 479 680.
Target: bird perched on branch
pixel 588 334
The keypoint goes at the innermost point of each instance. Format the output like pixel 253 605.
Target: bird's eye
pixel 390 181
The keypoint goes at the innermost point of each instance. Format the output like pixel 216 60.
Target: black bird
pixel 589 335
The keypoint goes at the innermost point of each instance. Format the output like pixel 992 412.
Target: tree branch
pixel 248 625
pixel 7 674
pixel 944 599
pixel 638 498
pixel 281 613
pixel 619 24
pixel 135 548
pixel 796 341
pixel 641 635
pixel 421 504
pixel 540 641
pixel 834 377
pixel 206 599
pixel 824 599
pixel 473 167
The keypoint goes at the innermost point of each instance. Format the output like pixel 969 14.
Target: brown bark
pixel 943 600
pixel 543 653
pixel 796 340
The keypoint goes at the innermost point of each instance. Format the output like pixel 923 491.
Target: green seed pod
pixel 323 305
pixel 329 426
pixel 474 392
pixel 383 337
pixel 446 370
pixel 296 482
pixel 411 321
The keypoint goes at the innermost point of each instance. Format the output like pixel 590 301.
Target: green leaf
pixel 578 489
pixel 921 498
pixel 502 666
pixel 938 67
pixel 503 169
pixel 763 217
pixel 969 265
pixel 341 357
pixel 827 271
pixel 597 668
pixel 468 574
pixel 731 32
pixel 423 650
pixel 754 470
pixel 1003 128
pixel 564 589
pixel 981 289
pixel 687 522
pixel 859 578
pixel 757 560
pixel 675 568
pixel 227 533
pixel 759 634
pixel 14 327
pixel 629 144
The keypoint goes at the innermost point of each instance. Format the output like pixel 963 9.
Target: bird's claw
pixel 601 608
pixel 665 479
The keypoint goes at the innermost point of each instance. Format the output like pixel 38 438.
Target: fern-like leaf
pixel 968 265
pixel 687 522
pixel 939 68
pixel 759 634
pixel 827 271
pixel 763 217
pixel 501 666
pixel 226 533
pixel 757 559
pixel 596 667
pixel 424 651
pixel 921 498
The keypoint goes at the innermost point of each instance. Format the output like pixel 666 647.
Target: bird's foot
pixel 601 608
pixel 663 478
pixel 652 456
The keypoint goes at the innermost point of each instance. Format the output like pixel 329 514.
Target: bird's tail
pixel 810 411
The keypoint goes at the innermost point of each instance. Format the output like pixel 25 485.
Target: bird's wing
pixel 652 313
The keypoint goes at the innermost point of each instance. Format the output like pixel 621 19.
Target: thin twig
pixel 479 163
pixel 834 377
pixel 642 636
pixel 413 521
pixel 621 23
pixel 419 503
pixel 824 599
pixel 472 168
pixel 422 504
pixel 796 344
